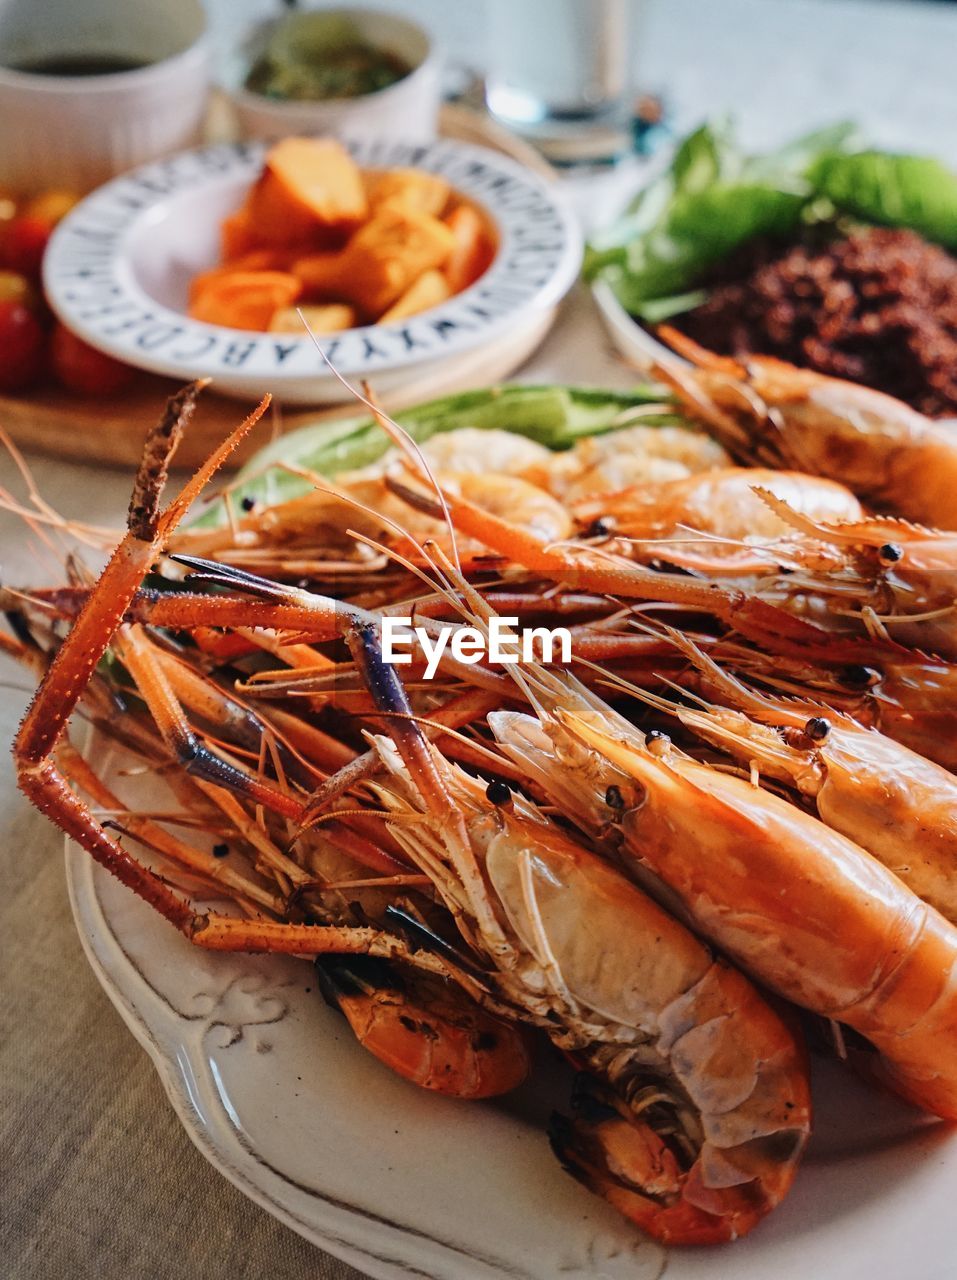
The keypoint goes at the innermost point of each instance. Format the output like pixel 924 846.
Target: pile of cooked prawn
pixel 739 798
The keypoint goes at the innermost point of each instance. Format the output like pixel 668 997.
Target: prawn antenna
pixel 396 433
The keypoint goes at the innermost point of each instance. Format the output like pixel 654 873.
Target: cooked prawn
pixel 705 1105
pixel 765 409
pixel 728 503
pixel 798 905
pixel 899 806
pixel 323 520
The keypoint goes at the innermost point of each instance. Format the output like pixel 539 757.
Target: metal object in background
pixel 561 73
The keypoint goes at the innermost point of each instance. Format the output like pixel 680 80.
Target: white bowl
pixel 407 110
pixel 75 132
pixel 631 339
pixel 118 267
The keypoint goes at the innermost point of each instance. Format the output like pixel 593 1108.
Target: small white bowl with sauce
pixel 406 109
pixel 91 88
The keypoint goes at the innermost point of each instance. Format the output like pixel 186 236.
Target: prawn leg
pixel 39 774
pixel 152 683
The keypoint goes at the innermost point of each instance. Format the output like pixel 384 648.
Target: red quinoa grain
pixel 879 307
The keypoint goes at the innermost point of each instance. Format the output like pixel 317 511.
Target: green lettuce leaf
pixel 700 230
pixel 894 190
pixel 712 200
pixel 556 416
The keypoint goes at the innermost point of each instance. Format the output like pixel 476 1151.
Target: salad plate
pixel 828 253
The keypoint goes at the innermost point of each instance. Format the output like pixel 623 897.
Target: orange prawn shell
pixel 888 453
pixel 803 909
pixel 442 1045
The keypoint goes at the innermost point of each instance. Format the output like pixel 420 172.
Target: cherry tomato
pixel 24 243
pixel 17 288
pixel 50 207
pixel 22 346
pixel 83 369
pixel 8 211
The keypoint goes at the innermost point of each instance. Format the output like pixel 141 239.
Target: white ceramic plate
pixel 635 343
pixel 273 1089
pixel 118 267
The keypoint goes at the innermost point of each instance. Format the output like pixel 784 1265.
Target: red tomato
pixel 24 244
pixel 83 369
pixel 17 288
pixel 22 346
pixel 8 211
pixel 50 206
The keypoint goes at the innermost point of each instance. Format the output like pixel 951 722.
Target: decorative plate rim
pixel 175 1086
pixel 89 279
pixel 902 1152
pixel 620 325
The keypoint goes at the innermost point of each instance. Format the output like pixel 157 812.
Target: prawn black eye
pixel 858 676
pixel 498 793
pixel 248 503
pixel 817 728
pixel 601 527
pixel 614 799
pixel 890 552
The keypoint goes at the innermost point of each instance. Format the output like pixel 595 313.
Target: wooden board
pixel 110 431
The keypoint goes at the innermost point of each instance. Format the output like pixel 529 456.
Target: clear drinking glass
pixel 561 73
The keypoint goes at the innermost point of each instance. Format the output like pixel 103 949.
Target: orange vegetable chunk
pixel 320 273
pixel 331 318
pixel 317 179
pixel 244 299
pixel 274 219
pixel 391 251
pixel 473 251
pixel 256 260
pixel 380 262
pixel 236 235
pixel 429 290
pixel 410 189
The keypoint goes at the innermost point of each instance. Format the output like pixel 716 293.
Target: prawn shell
pixel 431 1034
pixel 742 1067
pixel 579 904
pixel 900 807
pixel 805 910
